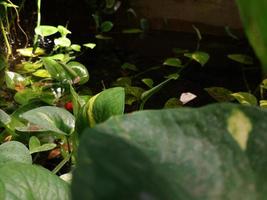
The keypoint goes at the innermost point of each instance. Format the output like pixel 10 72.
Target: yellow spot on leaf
pixel 239 125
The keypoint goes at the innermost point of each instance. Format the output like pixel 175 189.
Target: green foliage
pixel 24 181
pixel 254 18
pixel 128 154
pixel 14 152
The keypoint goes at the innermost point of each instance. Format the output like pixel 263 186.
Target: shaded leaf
pixel 241 58
pixel 173 62
pixel 220 94
pixel 32 182
pixel 14 152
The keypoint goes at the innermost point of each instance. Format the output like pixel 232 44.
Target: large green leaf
pixel 56 70
pixel 49 118
pixel 254 16
pixel 13 152
pixel 108 103
pixel 45 30
pixel 175 154
pixel 28 182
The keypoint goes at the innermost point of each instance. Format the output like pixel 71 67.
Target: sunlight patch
pixel 239 125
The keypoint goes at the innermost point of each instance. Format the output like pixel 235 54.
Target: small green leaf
pixel 148 81
pixel 45 30
pixel 220 94
pixel 106 26
pixel 133 94
pixel 14 80
pixel 108 103
pixel 56 70
pixel 241 58
pixel 110 3
pixel 43 73
pixel 103 37
pixel 75 47
pixel 27 52
pixel 173 62
pixel 129 66
pixel 35 145
pixel 62 42
pixel 123 82
pixel 81 71
pixel 90 45
pixel 63 31
pixel 245 98
pixel 31 66
pixel 199 56
pixel 173 103
pixel 13 151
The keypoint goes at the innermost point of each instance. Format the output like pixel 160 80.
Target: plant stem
pixel 3 30
pixel 35 42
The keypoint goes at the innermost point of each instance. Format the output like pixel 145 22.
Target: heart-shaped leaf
pixel 245 98
pixel 173 62
pixel 106 26
pixel 45 30
pixel 128 155
pixel 108 103
pixel 35 145
pixel 50 118
pixel 199 56
pixel 14 80
pixel 24 182
pixel 80 70
pixel 13 152
pixel 56 70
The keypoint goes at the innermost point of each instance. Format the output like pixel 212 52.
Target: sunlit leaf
pixel 63 31
pixel 199 56
pixel 90 45
pixel 62 42
pixel 45 30
pixel 148 81
pixel 42 73
pixel 27 52
pixel 245 98
pixel 173 62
